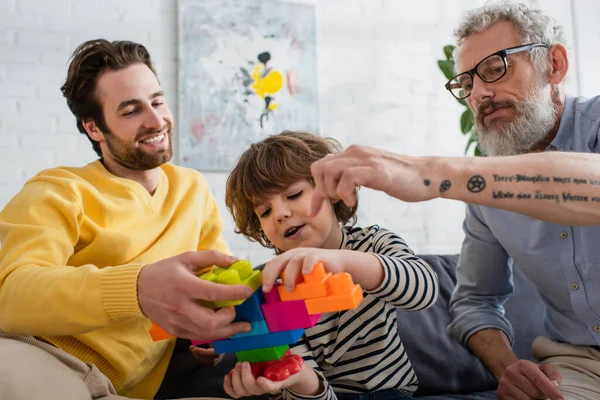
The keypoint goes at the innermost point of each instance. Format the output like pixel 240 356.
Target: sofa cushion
pixel 444 366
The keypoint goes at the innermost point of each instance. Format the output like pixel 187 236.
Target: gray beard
pixel 536 116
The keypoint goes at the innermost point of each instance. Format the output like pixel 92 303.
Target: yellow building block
pixel 239 273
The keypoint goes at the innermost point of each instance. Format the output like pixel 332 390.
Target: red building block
pixel 278 370
pixel 287 315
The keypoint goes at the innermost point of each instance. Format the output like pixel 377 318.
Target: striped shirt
pixel 359 351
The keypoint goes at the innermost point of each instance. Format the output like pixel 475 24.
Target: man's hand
pixel 168 294
pixel 525 380
pixel 337 176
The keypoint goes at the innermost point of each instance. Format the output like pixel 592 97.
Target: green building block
pixel 239 273
pixel 260 355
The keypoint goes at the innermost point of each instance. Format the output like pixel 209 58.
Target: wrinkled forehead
pixel 480 45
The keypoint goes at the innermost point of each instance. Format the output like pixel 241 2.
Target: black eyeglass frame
pixel 502 53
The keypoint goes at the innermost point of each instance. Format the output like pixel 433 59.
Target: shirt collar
pixel 565 127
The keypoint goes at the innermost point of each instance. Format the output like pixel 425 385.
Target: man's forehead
pixel 136 82
pixel 479 45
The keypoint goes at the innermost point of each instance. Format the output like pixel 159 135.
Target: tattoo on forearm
pixel 445 185
pixel 542 179
pixel 564 197
pixel 426 182
pixel 521 178
pixel 476 184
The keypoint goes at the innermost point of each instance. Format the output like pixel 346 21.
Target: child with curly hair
pixel 348 353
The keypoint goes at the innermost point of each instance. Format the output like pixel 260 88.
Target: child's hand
pixel 301 260
pixel 240 382
pixel 206 355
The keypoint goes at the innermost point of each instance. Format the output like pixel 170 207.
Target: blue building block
pixel 257 341
pixel 250 309
pixel 258 328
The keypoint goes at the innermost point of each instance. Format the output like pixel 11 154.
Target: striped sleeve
pixel 301 348
pixel 408 282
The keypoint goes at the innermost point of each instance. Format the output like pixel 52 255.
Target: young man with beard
pixel 511 64
pixel 90 255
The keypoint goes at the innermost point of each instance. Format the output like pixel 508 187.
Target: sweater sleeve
pixel 301 348
pixel 40 294
pixel 408 282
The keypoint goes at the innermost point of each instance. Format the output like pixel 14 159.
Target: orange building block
pixel 157 333
pixel 342 294
pixel 307 286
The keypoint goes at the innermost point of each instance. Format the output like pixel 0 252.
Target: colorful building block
pixel 308 286
pixel 261 355
pixel 157 333
pixel 278 370
pixel 283 316
pixel 342 294
pixel 258 328
pixel 239 273
pixel 257 341
pixel 250 310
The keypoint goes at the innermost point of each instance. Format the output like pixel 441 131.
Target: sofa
pixel 446 369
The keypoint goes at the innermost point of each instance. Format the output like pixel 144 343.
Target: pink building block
pixel 287 315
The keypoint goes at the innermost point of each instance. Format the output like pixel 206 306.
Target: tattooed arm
pixel 557 187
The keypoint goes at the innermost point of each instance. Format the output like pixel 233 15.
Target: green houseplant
pixel 467 124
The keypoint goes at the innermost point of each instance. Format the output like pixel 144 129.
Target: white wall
pixel 377 72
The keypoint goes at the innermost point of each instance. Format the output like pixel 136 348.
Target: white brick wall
pixel 378 78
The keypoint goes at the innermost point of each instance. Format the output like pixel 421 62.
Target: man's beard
pixel 126 154
pixel 536 117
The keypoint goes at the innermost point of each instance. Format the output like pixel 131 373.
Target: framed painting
pixel 247 69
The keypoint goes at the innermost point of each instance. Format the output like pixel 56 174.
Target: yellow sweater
pixel 73 241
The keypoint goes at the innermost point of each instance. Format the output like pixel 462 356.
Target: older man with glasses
pixel 542 145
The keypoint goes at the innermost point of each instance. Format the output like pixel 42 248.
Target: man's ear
pixel 93 131
pixel 559 64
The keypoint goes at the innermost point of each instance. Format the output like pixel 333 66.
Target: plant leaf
pixel 448 52
pixel 466 121
pixel 447 67
pixel 463 102
pixel 472 139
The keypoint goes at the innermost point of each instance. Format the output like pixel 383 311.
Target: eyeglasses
pixel 490 69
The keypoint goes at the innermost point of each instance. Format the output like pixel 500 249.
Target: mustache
pixel 488 106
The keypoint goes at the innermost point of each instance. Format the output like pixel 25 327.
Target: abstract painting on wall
pixel 247 69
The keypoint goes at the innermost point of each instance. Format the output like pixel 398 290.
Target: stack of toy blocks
pixel 278 318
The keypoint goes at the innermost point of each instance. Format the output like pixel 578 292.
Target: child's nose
pixel 283 213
